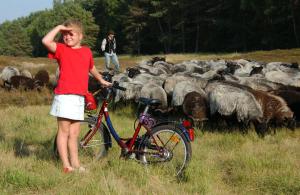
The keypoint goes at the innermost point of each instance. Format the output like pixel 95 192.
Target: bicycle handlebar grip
pixel 116 86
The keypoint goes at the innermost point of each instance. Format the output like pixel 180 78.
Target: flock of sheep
pixel 217 92
pixel 13 78
pixel 232 93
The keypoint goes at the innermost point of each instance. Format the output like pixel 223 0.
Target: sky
pixel 13 9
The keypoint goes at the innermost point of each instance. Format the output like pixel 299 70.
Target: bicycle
pixel 164 142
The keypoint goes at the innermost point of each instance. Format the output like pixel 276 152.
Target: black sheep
pixel 292 99
pixel 132 72
pixel 256 70
pixel 231 67
pixel 22 82
pixel 156 59
pixel 94 85
pixel 42 77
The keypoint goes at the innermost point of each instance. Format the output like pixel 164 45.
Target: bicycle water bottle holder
pixel 147 120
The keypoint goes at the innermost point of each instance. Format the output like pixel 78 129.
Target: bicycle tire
pixel 84 151
pixel 98 146
pixel 172 156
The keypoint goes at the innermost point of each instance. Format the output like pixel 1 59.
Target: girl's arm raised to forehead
pixel 48 40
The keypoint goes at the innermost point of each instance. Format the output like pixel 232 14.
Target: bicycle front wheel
pixel 97 147
pixel 167 147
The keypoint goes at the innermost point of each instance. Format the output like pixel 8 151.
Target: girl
pixel 75 62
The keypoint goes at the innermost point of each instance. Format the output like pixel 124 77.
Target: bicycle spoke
pixel 162 141
pixel 92 145
pixel 174 146
pixel 166 146
pixel 95 148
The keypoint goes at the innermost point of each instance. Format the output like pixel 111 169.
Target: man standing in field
pixel 109 48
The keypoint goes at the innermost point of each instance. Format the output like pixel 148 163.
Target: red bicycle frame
pixel 121 141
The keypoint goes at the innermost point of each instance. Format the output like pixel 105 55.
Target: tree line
pixel 169 26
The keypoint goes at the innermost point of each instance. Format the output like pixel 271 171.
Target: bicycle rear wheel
pixel 167 147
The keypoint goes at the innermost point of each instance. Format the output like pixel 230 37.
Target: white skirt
pixel 68 106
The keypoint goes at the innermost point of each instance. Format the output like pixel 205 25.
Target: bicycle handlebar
pixel 117 86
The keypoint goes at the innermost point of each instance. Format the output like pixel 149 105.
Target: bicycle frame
pixel 104 112
pixel 143 121
pixel 151 147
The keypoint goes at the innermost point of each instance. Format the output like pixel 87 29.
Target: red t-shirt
pixel 74 66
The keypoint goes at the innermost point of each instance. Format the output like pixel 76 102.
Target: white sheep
pixel 154 91
pixel 182 88
pixel 227 99
pixel 7 73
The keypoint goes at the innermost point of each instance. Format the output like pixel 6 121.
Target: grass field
pixel 222 163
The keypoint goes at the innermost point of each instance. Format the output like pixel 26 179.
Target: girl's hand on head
pixel 63 28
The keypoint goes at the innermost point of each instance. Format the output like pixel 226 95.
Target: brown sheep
pixel 195 106
pixel 42 77
pixel 22 82
pixel 275 109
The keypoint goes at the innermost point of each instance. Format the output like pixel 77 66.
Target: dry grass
pixel 35 64
pixel 23 98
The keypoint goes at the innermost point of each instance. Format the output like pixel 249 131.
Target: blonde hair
pixel 74 23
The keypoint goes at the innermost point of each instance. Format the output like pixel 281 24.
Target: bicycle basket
pixel 90 102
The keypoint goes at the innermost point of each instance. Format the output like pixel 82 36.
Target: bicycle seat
pixel 149 101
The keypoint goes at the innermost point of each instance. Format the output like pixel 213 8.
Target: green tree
pixel 14 40
pixel 46 20
pixel 109 15
pixel 134 24
pixel 154 26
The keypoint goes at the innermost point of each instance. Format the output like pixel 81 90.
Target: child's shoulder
pixel 85 47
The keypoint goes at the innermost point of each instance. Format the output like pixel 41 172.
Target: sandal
pixel 68 169
pixel 81 169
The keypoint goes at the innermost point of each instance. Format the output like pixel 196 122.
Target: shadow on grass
pixel 2 136
pixel 42 150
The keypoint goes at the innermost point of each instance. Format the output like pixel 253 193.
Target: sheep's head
pixel 108 76
pixel 288 120
pixel 199 114
pixel 291 124
pixel 261 129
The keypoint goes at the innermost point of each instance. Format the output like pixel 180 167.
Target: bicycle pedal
pixel 124 153
pixel 131 156
pixel 142 158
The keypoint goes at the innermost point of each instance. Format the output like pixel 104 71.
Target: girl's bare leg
pixel 62 140
pixel 73 143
